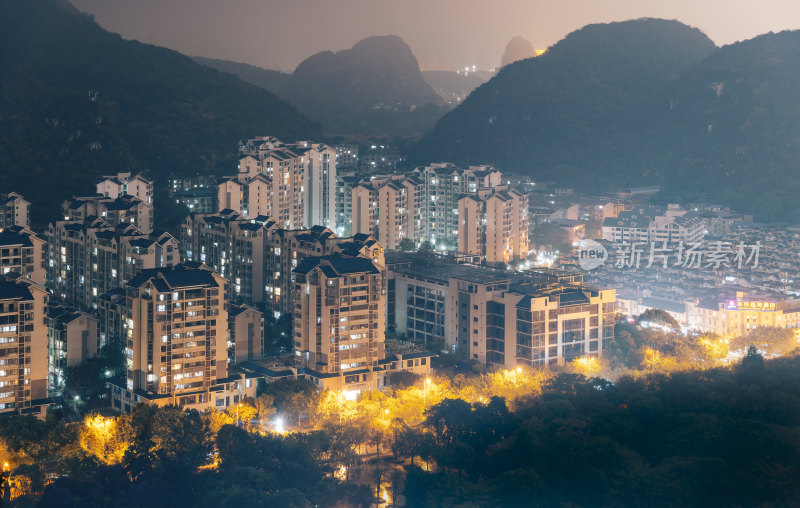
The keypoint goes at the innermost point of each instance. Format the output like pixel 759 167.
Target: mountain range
pixel 77 102
pixel 642 102
pixel 638 102
pixel 375 87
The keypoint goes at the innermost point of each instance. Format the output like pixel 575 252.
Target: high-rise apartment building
pixel 176 341
pixel 126 184
pixel 422 206
pixel 389 208
pixel 258 256
pixel 14 211
pixel 89 257
pixel 493 224
pixel 23 346
pixel 294 183
pixel 346 180
pixel 124 209
pixel 339 321
pixel 23 252
pixel 442 185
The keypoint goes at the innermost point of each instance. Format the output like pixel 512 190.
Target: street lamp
pixel 425 393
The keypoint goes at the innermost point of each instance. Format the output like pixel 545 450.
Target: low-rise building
pixel 650 224
pixel 498 317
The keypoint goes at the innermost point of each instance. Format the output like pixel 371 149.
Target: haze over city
pixel 443 34
pixel 378 254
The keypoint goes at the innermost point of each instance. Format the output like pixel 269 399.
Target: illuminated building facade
pixel 23 252
pixel 176 341
pixel 339 323
pixel 294 183
pixel 89 257
pixel 498 317
pixel 23 346
pixel 493 224
pixel 258 256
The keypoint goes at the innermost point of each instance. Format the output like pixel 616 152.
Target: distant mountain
pixel 727 130
pixel 643 102
pixel 550 116
pixel 77 102
pixel 518 48
pixel 375 87
pixel 455 86
pixel 274 81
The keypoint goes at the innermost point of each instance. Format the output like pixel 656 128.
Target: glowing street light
pixel 425 393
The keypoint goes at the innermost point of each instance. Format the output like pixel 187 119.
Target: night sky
pixel 443 34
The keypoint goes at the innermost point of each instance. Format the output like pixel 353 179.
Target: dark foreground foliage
pixel 702 438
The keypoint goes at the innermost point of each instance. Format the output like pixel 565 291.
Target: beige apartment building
pixel 72 339
pixel 493 224
pixel 89 257
pixel 496 317
pixel 293 183
pixel 339 321
pixel 126 184
pixel 387 208
pixel 176 345
pixel 23 346
pixel 122 210
pixel 258 256
pixel 23 252
pixel 14 211
pixel 245 334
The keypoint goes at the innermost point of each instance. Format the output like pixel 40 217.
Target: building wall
pixel 23 252
pixel 177 344
pixel 364 208
pixel 23 370
pixel 230 196
pixel 15 211
pixel 245 335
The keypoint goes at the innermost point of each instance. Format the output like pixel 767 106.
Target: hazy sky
pixel 443 34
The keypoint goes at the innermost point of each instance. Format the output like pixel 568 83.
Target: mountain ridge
pixel 104 104
pixel 375 87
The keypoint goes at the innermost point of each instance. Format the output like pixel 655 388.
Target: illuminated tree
pixel 99 438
